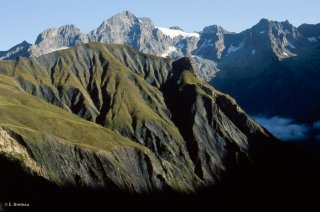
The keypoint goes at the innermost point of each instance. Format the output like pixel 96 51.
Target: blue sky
pixel 25 19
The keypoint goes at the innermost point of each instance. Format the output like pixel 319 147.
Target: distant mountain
pixel 54 39
pixel 20 50
pixel 211 44
pixel 122 28
pixel 272 69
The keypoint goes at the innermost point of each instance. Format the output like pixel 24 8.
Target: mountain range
pixel 126 117
pixel 266 68
pixel 122 28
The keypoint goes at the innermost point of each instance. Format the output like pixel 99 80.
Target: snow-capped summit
pixel 174 32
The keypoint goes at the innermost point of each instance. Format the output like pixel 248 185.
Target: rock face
pixel 54 39
pixel 125 28
pixel 268 67
pixel 21 50
pixel 211 43
pixel 106 117
pixel 122 28
pixel 207 69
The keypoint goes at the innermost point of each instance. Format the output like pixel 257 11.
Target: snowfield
pixel 172 33
pixel 171 49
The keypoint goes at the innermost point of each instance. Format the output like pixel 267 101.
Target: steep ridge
pixel 64 149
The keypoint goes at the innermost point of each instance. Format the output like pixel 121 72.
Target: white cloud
pixel 312 39
pixel 316 125
pixel 284 128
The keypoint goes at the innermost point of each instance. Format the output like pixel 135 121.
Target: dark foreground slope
pixel 102 126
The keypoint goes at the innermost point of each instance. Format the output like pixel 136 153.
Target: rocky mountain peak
pixel 287 26
pixel 20 49
pixel 68 29
pixel 263 24
pixel 269 25
pixel 24 43
pixel 64 31
pixel 46 33
pixel 213 29
pixel 279 37
pixel 125 17
pixel 53 39
pixel 211 43
pixel 126 13
pixel 263 21
pixel 117 28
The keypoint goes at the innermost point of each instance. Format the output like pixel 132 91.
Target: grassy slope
pixel 32 117
pixel 92 83
pixel 124 99
pixel 116 97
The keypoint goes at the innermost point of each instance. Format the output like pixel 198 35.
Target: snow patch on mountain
pixel 312 39
pixel 172 33
pixel 57 49
pixel 11 52
pixel 290 45
pixel 232 48
pixel 169 51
